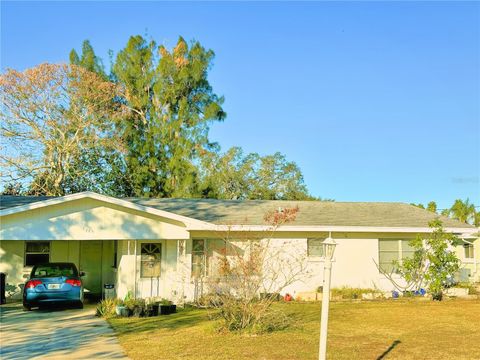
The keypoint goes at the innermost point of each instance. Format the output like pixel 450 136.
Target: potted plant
pixel 134 306
pixel 151 309
pixel 165 307
pixel 121 309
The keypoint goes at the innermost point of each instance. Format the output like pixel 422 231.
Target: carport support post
pixel 135 269
pixel 329 248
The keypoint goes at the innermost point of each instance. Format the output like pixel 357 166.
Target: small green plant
pixel 106 308
pixel 130 302
pixel 165 302
pixel 472 290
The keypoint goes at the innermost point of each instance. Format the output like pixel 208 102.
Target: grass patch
pixel 404 328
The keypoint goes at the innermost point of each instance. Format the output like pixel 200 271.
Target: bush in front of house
pixel 472 288
pixel 351 293
pixel 107 308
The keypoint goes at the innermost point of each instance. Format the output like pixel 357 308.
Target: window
pixel 315 247
pixel 151 256
pixel 198 258
pixel 37 252
pixel 216 261
pixel 468 251
pixel 391 251
pixel 208 257
pixel 54 270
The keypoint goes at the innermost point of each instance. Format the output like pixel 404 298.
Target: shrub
pixel 131 303
pixel 252 272
pixel 352 293
pixel 472 290
pixel 106 308
pixel 254 318
pixel 432 265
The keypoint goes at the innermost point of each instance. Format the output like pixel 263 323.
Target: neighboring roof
pixel 8 201
pixel 251 212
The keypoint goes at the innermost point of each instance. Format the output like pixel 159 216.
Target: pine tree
pixel 171 106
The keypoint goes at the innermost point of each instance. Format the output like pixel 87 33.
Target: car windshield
pixel 53 270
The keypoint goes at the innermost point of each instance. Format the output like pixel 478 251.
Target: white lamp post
pixel 328 250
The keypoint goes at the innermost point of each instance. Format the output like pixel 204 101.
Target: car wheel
pixel 79 305
pixel 27 308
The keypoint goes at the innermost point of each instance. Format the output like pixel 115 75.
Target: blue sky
pixel 374 101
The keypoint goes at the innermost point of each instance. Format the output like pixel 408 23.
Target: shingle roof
pixel 311 213
pixel 8 201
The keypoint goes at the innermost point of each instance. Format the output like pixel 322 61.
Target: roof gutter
pixel 467 232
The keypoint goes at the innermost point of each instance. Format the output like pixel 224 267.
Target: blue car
pixel 53 283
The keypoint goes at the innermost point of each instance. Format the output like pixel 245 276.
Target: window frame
pixel 159 261
pixel 209 266
pixel 315 257
pixel 203 262
pixel 471 250
pixel 25 252
pixel 399 251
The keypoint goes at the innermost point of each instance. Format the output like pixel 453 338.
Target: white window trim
pixel 469 259
pixel 204 260
pixel 315 258
pixel 139 259
pixel 399 249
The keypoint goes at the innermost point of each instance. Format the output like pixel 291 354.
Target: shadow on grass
pixel 390 348
pixel 182 319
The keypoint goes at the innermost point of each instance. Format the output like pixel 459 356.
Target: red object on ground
pixel 288 297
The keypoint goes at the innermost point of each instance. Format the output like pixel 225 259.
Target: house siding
pixel 129 273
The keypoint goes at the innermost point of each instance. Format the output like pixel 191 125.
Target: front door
pixel 91 265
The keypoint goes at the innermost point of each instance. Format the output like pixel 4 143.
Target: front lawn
pixel 402 329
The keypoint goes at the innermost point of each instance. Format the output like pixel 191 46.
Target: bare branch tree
pixel 249 273
pixel 52 116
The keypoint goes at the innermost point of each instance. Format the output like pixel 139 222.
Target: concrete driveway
pixel 56 334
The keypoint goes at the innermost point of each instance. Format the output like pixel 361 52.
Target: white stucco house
pixel 158 247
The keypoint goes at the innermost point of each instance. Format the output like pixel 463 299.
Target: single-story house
pixel 160 247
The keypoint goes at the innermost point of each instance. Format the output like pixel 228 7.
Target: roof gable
pixel 50 201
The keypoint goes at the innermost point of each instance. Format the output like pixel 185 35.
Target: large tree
pixel 233 175
pixel 171 105
pixel 53 118
pixel 88 59
pixel 463 211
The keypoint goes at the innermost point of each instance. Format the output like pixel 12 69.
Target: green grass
pixel 358 330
